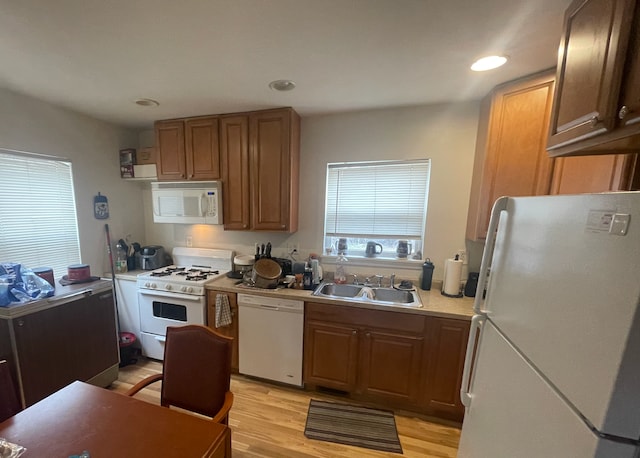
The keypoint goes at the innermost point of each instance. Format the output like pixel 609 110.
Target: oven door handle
pixel 172 295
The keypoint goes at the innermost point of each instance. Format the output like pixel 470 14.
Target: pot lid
pixel 267 268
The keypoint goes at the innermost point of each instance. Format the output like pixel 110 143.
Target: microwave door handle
pixel 204 204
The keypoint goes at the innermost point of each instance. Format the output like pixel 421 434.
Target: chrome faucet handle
pixel 392 280
pixel 379 280
pixel 355 279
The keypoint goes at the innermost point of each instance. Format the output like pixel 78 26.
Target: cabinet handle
pixel 244 226
pixel 20 322
pixel 283 226
pixel 367 334
pixel 594 121
pixel 624 111
pixel 354 332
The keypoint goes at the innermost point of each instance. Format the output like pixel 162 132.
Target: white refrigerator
pixel 555 371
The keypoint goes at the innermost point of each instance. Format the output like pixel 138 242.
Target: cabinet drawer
pixel 360 317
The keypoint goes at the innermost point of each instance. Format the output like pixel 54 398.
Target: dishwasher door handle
pixel 270 307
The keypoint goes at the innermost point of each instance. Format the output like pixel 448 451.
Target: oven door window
pixel 169 311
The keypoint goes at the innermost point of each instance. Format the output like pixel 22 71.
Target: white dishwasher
pixel 270 338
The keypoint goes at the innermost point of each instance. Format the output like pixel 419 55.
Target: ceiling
pixel 218 56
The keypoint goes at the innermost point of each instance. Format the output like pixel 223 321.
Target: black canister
pixel 427 274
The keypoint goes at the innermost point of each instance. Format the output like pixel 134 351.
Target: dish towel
pixel 223 311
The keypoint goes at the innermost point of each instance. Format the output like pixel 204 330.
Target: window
pixel 381 202
pixel 38 226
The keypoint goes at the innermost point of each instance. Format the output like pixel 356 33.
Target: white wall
pixel 28 124
pixel 445 133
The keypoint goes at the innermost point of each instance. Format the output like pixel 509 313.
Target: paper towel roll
pixel 452 277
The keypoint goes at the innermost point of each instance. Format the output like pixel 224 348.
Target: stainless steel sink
pixel 375 295
pixel 333 289
pixel 393 295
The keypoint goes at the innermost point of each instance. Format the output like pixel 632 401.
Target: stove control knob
pixel 189 289
pixel 168 287
pixel 147 284
pixel 153 285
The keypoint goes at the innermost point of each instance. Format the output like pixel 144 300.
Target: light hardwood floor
pixel 268 420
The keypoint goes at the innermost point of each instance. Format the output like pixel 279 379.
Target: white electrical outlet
pixel 189 240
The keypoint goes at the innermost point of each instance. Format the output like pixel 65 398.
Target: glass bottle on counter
pixel 341 274
pixel 121 259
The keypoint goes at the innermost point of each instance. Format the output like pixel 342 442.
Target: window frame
pixel 329 241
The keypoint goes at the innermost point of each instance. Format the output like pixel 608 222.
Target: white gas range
pixel 176 295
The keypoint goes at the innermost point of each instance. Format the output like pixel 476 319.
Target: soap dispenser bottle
pixel 341 274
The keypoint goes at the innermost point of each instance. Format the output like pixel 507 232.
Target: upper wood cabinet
pixel 188 149
pixel 260 168
pixel 596 107
pixel 511 159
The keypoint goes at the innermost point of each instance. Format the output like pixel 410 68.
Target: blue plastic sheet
pixel 18 284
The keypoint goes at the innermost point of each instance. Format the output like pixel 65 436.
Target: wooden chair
pixel 9 401
pixel 196 373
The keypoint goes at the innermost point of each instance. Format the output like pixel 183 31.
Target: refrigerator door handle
pixel 465 389
pixel 499 206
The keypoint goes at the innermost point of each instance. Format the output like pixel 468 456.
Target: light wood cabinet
pixel 188 149
pixel 597 103
pixel 445 359
pixel 260 168
pixel 230 330
pixel 511 159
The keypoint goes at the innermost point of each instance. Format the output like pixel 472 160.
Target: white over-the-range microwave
pixel 184 202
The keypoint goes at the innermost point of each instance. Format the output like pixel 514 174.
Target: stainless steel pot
pixel 265 274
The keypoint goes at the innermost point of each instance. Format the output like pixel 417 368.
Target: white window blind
pixel 377 199
pixel 38 226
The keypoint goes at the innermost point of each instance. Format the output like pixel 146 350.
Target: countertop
pixel 433 302
pixel 61 295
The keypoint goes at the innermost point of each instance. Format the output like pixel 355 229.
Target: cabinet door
pixel 511 159
pixel 202 150
pixel 170 158
pixel 390 365
pixel 447 348
pixel 234 138
pixel 590 63
pixel 330 355
pixel 72 341
pixel 602 173
pixel 274 170
pixel 629 105
pixel 229 330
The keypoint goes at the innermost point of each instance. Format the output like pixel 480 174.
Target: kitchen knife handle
pixel 476 326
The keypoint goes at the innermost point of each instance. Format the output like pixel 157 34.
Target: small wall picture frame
pixel 100 207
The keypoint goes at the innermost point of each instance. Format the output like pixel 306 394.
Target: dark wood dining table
pixel 107 424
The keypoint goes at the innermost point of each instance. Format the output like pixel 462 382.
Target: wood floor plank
pixel 268 420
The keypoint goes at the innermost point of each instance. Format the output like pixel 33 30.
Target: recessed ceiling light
pixel 147 102
pixel 488 63
pixel 282 85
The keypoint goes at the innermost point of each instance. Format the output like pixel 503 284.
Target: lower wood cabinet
pixel 230 330
pixel 445 360
pixel 404 360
